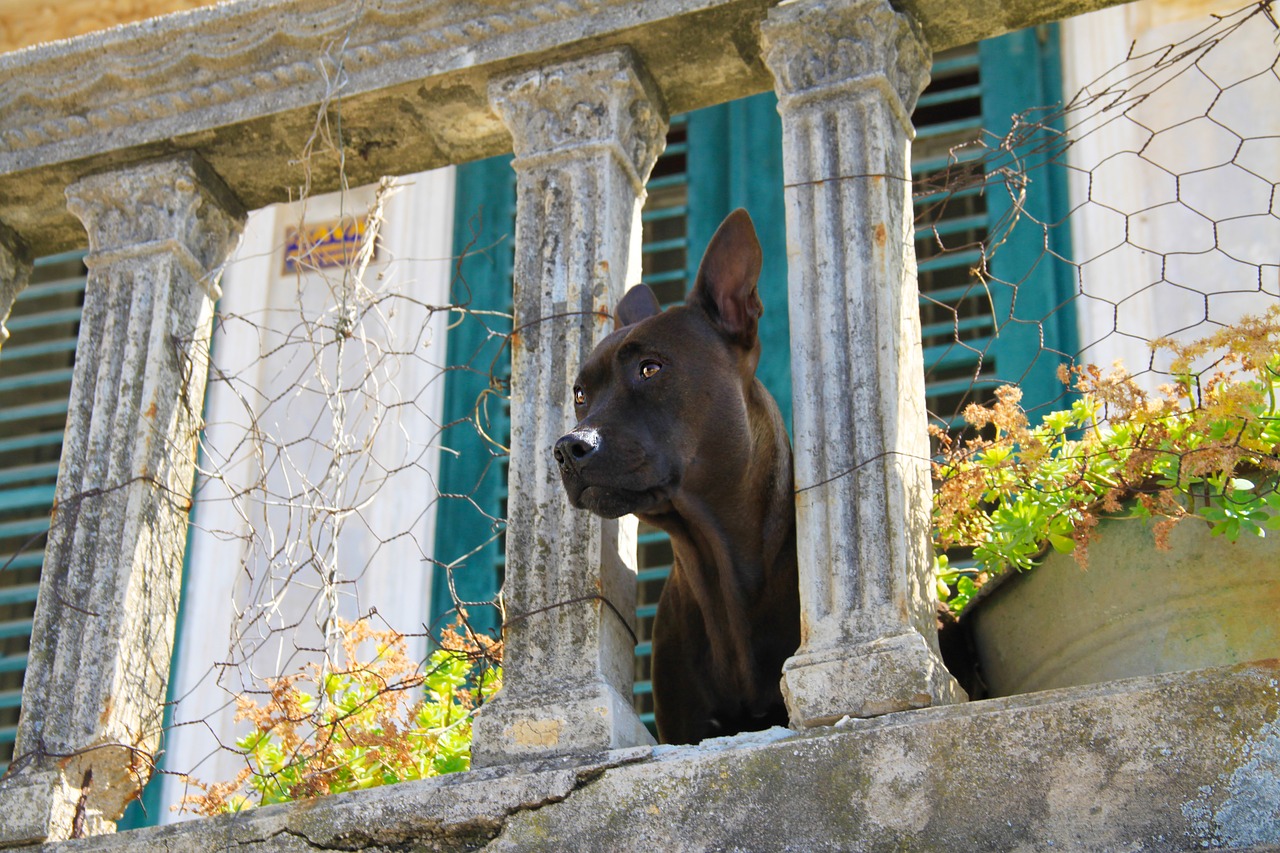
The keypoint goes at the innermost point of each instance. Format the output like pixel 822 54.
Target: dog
pixel 674 426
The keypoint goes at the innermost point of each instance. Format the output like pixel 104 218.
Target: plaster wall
pixel 1174 222
pixel 24 23
pixel 264 395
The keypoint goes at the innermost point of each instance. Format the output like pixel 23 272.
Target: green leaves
pixel 1242 509
pixel 1207 446
pixel 956 585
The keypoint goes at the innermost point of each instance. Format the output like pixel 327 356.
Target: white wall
pixel 1168 170
pixel 262 505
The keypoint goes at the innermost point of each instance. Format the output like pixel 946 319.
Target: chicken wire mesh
pixel 320 491
pixel 1167 226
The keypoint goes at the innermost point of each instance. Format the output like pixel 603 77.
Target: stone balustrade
pixel 157 136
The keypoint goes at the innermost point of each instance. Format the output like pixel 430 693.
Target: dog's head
pixel 662 402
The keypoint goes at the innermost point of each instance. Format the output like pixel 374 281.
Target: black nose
pixel 572 450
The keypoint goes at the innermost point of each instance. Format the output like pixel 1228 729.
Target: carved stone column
pixel 103 633
pixel 848 73
pixel 15 272
pixel 586 134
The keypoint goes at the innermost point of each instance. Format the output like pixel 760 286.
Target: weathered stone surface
pixel 1150 764
pixel 848 75
pixel 103 631
pixel 586 133
pixel 1187 761
pixel 15 272
pixel 241 83
pixel 450 813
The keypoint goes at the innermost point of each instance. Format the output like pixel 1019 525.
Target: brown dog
pixel 674 427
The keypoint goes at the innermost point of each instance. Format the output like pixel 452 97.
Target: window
pixel 35 384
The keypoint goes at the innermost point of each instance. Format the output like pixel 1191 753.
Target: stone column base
pixel 896 673
pixel 41 805
pixel 516 728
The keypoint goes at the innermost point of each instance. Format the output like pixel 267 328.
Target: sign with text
pixel 328 244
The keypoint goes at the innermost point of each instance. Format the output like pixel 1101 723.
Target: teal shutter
pixel 735 160
pixel 1039 329
pixel 956 321
pixel 665 246
pixel 35 385
pixel 977 337
pixel 469 547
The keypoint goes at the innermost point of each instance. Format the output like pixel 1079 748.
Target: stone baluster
pixel 103 633
pixel 586 134
pixel 848 73
pixel 15 271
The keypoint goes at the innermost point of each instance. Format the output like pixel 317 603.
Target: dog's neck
pixel 726 554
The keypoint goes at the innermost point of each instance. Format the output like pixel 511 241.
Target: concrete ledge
pixel 242 82
pixel 1183 761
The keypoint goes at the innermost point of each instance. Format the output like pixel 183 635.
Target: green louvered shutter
pixel 957 323
pixel 35 385
pixel 470 547
pixel 1040 331
pixel 974 339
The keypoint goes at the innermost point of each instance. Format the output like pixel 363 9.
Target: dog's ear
pixel 726 284
pixel 636 304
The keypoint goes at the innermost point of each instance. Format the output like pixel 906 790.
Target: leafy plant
pixel 1205 446
pixel 362 727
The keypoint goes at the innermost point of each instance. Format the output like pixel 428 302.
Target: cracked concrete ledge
pixel 1172 762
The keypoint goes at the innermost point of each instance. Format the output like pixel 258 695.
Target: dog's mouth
pixel 612 501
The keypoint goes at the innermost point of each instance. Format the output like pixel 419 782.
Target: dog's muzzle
pixel 573 450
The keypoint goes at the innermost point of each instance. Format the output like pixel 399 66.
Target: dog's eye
pixel 649 369
pixel 579 396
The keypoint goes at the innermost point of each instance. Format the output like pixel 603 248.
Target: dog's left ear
pixel 726 284
pixel 638 303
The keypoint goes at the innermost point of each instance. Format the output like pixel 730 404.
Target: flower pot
pixel 1136 610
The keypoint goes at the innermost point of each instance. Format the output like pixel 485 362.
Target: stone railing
pixel 157 137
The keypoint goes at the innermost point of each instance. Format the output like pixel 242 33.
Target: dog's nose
pixel 573 449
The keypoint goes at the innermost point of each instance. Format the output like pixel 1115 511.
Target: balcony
pixel 154 139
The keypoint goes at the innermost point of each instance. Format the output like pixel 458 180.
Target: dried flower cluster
pixel 380 720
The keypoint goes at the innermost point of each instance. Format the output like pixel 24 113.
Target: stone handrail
pixel 152 140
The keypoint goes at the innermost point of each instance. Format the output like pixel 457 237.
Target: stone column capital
pixel 819 49
pixel 177 205
pixel 605 102
pixel 15 271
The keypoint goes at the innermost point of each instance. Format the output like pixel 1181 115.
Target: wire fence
pixel 1124 343
pixel 1165 223
pixel 318 497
